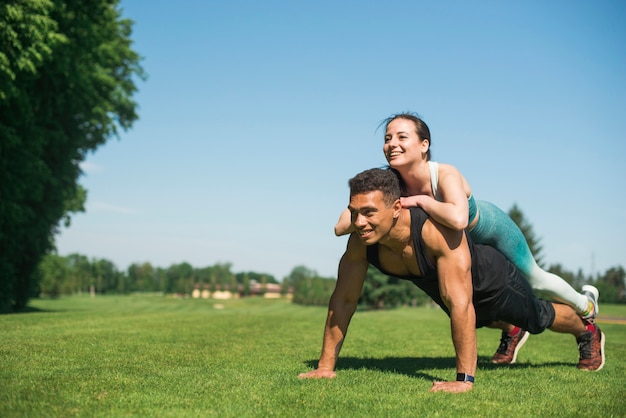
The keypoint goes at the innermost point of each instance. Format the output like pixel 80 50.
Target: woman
pixel 445 195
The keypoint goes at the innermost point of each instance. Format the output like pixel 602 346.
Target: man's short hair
pixel 374 179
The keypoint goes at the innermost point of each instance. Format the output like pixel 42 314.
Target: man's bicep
pixel 455 278
pixel 453 260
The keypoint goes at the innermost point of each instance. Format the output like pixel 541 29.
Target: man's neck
pixel 399 235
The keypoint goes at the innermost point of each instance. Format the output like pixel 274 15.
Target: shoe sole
pixel 523 341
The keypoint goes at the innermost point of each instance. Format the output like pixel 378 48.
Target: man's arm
pixel 453 259
pixel 342 305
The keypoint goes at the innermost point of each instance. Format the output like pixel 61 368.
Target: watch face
pixel 464 377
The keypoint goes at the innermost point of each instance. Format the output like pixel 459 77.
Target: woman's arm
pixel 344 225
pixel 453 211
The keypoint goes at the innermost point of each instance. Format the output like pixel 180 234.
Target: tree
pixel 612 285
pixel 299 273
pixel 314 291
pixel 180 278
pixel 53 275
pixel 383 292
pixel 142 278
pixel 80 271
pixel 107 276
pixel 67 75
pixel 526 227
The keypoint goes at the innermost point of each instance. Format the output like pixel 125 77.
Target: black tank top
pixel 489 268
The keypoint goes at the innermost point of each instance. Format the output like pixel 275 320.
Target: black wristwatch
pixel 464 377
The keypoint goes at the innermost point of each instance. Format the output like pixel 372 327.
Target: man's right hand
pixel 318 374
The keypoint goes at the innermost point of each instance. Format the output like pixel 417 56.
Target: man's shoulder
pixel 418 219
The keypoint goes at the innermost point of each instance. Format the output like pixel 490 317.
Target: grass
pixel 155 356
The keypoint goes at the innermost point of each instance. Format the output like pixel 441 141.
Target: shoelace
pixel 504 343
pixel 584 348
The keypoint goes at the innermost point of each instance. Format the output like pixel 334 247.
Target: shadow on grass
pixel 26 310
pixel 411 366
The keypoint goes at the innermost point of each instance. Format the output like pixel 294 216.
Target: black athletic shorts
pixel 517 304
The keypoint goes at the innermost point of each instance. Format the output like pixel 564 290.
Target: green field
pixel 154 356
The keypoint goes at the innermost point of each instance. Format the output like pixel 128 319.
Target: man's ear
pixel 397 208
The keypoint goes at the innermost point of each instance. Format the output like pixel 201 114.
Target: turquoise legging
pixel 496 229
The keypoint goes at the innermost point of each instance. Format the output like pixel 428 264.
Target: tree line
pixel 381 291
pixel 77 274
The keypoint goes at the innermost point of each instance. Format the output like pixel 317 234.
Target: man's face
pixel 371 217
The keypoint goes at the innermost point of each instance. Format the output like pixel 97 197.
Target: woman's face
pixel 402 145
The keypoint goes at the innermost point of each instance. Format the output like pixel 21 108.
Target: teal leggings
pixel 496 229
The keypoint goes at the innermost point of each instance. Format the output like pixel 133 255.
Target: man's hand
pixel 452 387
pixel 318 374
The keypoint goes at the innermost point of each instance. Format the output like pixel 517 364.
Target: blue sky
pixel 255 114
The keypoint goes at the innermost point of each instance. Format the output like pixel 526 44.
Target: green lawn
pixel 153 356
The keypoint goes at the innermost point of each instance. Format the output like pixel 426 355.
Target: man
pixel 474 284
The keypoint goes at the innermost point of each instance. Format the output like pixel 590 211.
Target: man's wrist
pixel 464 377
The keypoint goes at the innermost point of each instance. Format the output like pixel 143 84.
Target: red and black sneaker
pixel 509 346
pixel 591 348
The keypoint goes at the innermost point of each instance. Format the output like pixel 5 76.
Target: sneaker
pixel 592 294
pixel 591 349
pixel 509 346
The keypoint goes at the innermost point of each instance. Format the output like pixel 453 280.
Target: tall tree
pixel 67 76
pixel 533 241
pixel 612 285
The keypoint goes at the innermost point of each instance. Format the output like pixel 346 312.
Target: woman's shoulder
pixel 449 174
pixel 447 169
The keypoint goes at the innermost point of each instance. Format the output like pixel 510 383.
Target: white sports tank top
pixel 434 179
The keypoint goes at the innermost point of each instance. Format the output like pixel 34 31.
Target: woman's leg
pixel 496 229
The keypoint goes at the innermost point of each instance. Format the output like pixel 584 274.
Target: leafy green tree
pixel 612 285
pixel 533 241
pixel 53 274
pixel 203 276
pixel 107 278
pixel 376 289
pixel 67 75
pixel 142 278
pixel 234 285
pixel 298 273
pixel 222 274
pixel 180 278
pixel 246 291
pixel 314 291
pixel 79 271
pixel 383 292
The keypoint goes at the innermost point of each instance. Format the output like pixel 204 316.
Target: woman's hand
pixel 409 202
